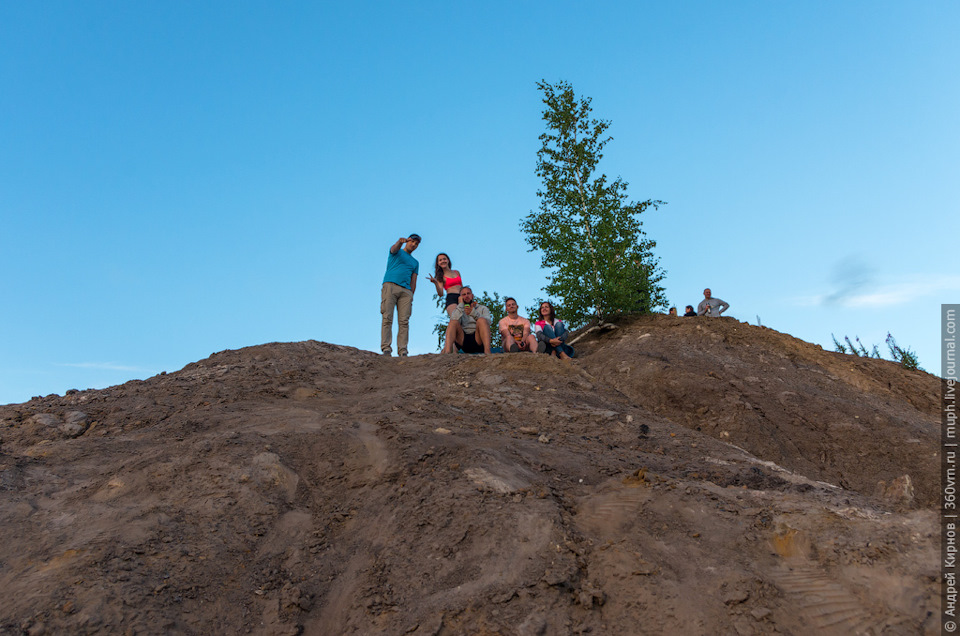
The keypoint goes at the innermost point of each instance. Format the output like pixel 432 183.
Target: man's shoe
pixel 514 348
pixel 541 347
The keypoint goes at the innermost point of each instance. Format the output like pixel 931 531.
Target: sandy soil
pixel 695 476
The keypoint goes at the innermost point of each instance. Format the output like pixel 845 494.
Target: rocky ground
pixel 694 476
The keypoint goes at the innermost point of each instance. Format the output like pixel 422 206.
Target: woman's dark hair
pixel 552 316
pixel 438 271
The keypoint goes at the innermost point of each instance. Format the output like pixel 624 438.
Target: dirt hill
pixel 695 476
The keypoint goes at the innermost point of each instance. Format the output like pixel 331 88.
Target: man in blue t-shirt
pixel 399 284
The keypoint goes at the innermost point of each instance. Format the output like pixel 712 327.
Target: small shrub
pixel 907 357
pixel 839 348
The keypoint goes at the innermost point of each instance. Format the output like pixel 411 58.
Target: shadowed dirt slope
pixel 692 476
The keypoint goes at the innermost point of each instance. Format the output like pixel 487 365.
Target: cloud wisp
pixel 889 294
pixel 850 276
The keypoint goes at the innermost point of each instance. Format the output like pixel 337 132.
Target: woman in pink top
pixel 447 281
pixel 552 333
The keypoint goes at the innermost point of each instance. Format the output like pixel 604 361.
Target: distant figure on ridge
pixel 551 333
pixel 469 327
pixel 515 330
pixel 672 312
pixel 689 312
pixel 447 281
pixel 399 285
pixel 711 306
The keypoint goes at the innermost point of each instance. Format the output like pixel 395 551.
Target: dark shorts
pixel 470 344
pixel 452 299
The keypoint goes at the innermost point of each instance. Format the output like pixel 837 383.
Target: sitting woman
pixel 447 281
pixel 552 333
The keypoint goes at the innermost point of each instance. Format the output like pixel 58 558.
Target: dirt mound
pixel 850 421
pixel 312 488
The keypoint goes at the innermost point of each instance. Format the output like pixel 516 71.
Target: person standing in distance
pixel 711 306
pixel 399 285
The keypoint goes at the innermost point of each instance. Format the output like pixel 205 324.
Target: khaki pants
pixel 392 295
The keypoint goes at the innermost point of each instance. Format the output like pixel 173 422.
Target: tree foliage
pixel 589 235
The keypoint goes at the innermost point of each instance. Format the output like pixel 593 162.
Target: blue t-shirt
pixel 400 268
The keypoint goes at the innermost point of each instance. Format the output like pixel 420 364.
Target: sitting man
pixel 515 330
pixel 711 306
pixel 469 327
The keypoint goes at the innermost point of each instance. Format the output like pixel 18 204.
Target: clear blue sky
pixel 180 178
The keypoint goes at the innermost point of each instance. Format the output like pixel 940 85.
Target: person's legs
pixel 547 334
pixel 404 309
pixel 451 304
pixel 387 303
pixel 531 342
pixel 470 343
pixel 454 337
pixel 508 342
pixel 559 331
pixel 483 334
pixel 564 351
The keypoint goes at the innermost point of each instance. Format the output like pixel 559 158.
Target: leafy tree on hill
pixel 589 235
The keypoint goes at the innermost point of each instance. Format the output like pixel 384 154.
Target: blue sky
pixel 182 178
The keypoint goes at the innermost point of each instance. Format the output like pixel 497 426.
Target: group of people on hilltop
pixel 470 328
pixel 709 306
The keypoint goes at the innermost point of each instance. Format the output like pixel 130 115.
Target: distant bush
pixel 906 357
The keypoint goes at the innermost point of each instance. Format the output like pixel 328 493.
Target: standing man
pixel 399 284
pixel 711 306
pixel 469 327
pixel 515 330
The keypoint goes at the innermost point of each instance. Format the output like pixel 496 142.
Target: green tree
pixel 589 235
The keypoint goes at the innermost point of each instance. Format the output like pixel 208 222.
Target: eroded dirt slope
pixel 850 421
pixel 312 488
